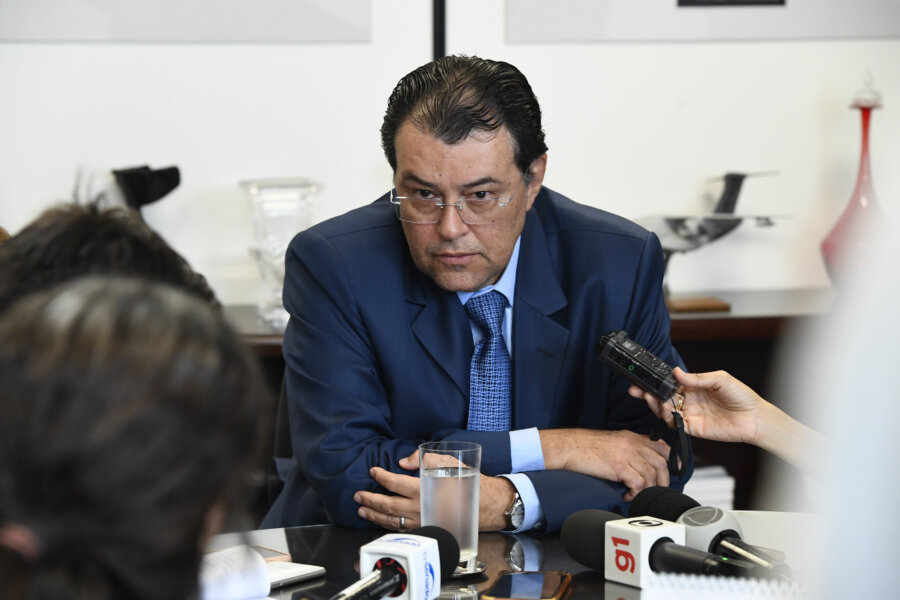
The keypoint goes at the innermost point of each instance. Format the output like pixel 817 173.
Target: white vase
pixel 281 208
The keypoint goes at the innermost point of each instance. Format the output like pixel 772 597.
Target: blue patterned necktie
pixel 489 374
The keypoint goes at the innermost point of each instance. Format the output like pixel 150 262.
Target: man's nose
pixel 451 225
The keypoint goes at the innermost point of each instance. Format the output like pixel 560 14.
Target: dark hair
pixel 129 411
pixel 73 240
pixel 452 96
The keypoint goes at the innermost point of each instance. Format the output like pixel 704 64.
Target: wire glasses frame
pixel 472 211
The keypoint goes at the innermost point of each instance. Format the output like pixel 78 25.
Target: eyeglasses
pixel 477 208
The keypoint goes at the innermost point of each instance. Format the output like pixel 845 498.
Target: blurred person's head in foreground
pixel 131 417
pixel 73 240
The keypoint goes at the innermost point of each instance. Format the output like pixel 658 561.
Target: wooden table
pixel 754 314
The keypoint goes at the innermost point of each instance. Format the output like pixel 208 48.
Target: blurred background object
pixel 850 240
pixel 132 187
pixel 143 185
pixel 281 208
pixel 684 233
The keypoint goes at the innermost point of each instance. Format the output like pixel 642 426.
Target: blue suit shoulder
pixel 560 214
pixel 355 235
pixel 373 216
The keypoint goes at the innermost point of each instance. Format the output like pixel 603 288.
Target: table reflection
pixel 337 549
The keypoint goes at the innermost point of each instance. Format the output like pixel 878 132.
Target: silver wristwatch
pixel 515 514
pixel 515 556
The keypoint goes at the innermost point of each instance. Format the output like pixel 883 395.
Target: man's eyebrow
pixel 416 179
pixel 482 181
pixel 477 182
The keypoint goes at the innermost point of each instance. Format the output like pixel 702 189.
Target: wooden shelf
pixel 754 314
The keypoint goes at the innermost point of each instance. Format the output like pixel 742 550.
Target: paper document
pixel 240 573
pixel 236 573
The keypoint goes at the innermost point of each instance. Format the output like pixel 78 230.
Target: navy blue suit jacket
pixel 378 355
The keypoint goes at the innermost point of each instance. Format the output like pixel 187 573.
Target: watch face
pixel 517 515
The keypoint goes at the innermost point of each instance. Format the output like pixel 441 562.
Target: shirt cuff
pixel 534 514
pixel 525 451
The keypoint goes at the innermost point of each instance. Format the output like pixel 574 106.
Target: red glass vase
pixel 847 243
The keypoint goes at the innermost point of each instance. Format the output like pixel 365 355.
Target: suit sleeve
pixel 338 411
pixel 562 493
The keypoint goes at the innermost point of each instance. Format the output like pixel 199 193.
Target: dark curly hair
pixel 73 240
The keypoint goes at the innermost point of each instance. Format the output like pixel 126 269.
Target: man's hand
pixel 623 456
pixel 494 498
pixel 495 495
pixel 385 510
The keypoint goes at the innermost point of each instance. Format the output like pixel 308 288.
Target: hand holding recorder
pixel 720 407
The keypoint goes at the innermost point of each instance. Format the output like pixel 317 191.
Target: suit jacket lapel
pixel 439 322
pixel 539 342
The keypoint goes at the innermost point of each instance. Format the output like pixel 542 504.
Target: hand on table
pixel 385 510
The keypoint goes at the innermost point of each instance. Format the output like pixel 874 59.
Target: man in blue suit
pixel 379 346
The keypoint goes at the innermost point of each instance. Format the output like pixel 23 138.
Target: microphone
pixel 708 528
pixel 630 550
pixel 662 502
pixel 406 565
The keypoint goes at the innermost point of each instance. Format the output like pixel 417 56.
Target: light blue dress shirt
pixel 526 453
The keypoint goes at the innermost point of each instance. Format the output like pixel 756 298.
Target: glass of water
pixel 450 474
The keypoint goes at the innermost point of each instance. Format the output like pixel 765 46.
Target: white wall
pixel 634 128
pixel 221 112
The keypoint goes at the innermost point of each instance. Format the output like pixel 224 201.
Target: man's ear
pixel 536 169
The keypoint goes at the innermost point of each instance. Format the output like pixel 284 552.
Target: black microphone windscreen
pixel 448 548
pixel 645 500
pixel 661 502
pixel 582 536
